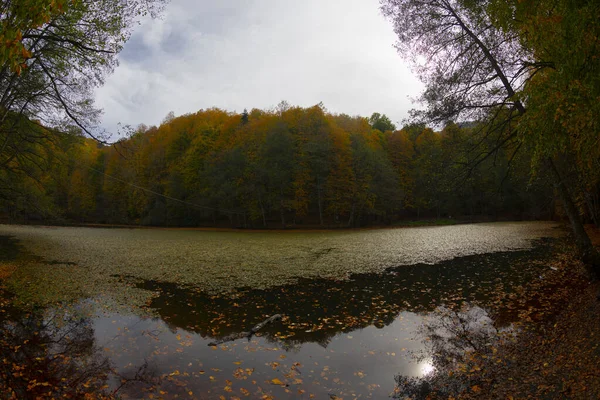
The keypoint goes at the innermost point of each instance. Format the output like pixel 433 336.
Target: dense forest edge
pixel 280 168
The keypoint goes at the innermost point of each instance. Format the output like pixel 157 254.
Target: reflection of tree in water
pixel 9 248
pixel 49 355
pixel 53 354
pixel 316 310
pixel 460 346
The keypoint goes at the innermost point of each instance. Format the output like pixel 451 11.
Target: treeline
pixel 279 168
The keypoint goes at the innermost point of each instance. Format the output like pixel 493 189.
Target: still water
pixel 146 303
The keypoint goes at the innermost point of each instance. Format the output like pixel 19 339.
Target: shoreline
pixel 425 223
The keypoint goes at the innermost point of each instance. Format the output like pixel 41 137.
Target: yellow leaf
pixel 276 382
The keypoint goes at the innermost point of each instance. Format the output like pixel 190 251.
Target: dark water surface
pixel 345 338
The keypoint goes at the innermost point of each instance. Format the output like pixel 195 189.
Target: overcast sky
pixel 236 54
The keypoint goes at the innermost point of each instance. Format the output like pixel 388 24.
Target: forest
pixel 285 167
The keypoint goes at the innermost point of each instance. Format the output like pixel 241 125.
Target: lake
pixel 146 303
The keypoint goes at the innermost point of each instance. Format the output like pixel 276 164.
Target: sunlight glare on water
pixel 426 368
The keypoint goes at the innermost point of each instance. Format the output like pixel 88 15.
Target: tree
pixel 475 68
pixel 562 119
pixel 17 18
pixel 245 117
pixel 381 122
pixel 313 159
pixel 401 153
pixel 341 182
pixel 278 163
pixel 68 47
pixel 52 55
pixel 428 171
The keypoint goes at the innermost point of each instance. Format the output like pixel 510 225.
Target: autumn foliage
pixel 287 167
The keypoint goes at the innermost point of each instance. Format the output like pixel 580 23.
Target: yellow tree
pixel 401 153
pixel 340 186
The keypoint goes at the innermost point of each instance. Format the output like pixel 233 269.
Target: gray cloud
pixel 245 54
pixel 136 51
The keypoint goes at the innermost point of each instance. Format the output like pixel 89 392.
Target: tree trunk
pixel 246 335
pixel 351 219
pixel 320 201
pixel 592 207
pixel 262 210
pixel 588 253
pixel 282 213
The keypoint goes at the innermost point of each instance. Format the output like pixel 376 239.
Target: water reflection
pixel 362 362
pixel 345 338
pixel 55 353
pixel 316 310
pixel 340 338
pixel 9 248
pixel 426 367
pixel 49 354
pixel 458 354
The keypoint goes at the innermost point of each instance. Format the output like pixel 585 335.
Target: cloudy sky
pixel 236 54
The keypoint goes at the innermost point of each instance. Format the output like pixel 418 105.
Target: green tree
pixel 313 158
pixel 428 172
pixel 381 122
pixel 245 117
pixel 278 163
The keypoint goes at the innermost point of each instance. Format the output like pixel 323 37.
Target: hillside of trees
pixel 285 167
